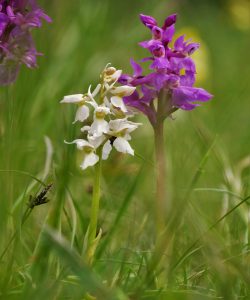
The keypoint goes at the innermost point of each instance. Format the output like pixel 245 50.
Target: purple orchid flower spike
pixel 17 18
pixel 172 73
pixel 166 86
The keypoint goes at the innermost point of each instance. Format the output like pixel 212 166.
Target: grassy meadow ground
pixel 206 255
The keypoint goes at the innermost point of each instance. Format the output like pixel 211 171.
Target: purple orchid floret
pixel 17 18
pixel 172 72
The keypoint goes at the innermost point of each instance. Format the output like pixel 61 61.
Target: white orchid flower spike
pixel 107 126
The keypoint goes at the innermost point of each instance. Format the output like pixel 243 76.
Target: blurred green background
pixel 85 36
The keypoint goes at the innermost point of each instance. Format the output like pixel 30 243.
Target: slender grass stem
pixel 24 218
pixel 34 201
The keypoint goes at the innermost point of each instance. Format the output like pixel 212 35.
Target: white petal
pixel 82 113
pixel 92 103
pixel 85 128
pixel 123 146
pixel 89 160
pixel 107 87
pixel 98 127
pixel 121 124
pixel 118 102
pixel 124 90
pixel 106 102
pixel 116 75
pixel 80 144
pixel 116 125
pixel 106 150
pixel 131 126
pixel 91 98
pixel 96 141
pixel 127 137
pixel 96 90
pixel 72 98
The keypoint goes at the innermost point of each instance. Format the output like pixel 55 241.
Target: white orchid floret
pixel 90 157
pixel 100 125
pixel 122 126
pixel 118 103
pixel 110 74
pixel 82 100
pixel 123 91
pixel 120 129
pixel 120 92
pixel 82 112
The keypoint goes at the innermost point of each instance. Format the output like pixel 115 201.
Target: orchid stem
pixel 160 203
pixel 160 177
pixel 94 213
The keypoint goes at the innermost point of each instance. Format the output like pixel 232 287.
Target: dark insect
pixel 112 139
pixel 41 198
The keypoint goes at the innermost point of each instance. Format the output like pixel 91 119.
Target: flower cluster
pixel 172 72
pixel 17 18
pixel 106 119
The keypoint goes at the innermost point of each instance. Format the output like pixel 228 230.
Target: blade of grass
pixel 26 174
pixel 187 252
pixel 163 243
pixel 120 213
pixel 90 282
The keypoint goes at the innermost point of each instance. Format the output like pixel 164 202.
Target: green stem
pixel 160 203
pixel 94 212
pixel 160 207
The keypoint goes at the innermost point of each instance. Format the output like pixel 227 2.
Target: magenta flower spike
pixel 17 18
pixel 167 85
pixel 172 72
